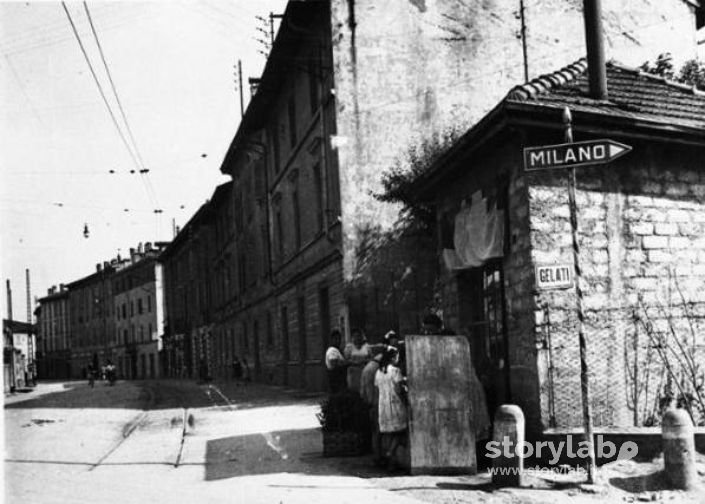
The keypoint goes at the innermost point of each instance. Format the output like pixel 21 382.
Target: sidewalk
pixel 623 481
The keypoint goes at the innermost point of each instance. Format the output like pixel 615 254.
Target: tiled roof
pixel 631 94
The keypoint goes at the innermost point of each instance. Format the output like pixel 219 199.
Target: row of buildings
pixel 115 314
pixel 297 244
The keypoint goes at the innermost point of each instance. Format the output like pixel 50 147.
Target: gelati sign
pixel 573 154
pixel 554 276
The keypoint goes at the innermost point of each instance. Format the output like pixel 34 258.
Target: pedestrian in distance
pixel 110 373
pixel 237 371
pixel 336 365
pixel 393 415
pixel 91 375
pixel 246 377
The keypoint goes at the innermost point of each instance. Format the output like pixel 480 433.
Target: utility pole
pixel 30 334
pixel 272 17
pixel 9 300
pixel 239 76
pixel 584 377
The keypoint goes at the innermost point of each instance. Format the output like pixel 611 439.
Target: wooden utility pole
pixel 239 85
pixel 584 378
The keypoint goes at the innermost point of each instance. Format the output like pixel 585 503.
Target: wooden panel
pixel 441 437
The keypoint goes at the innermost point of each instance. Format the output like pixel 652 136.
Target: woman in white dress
pixel 357 353
pixel 393 416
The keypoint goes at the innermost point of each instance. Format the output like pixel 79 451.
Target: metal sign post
pixel 584 379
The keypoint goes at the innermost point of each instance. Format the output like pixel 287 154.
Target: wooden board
pixel 441 437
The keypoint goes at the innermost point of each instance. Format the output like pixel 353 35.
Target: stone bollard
pixel 509 433
pixel 678 438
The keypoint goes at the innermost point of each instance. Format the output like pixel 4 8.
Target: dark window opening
pixel 293 140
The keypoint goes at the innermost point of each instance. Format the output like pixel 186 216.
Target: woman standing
pixel 357 353
pixel 393 416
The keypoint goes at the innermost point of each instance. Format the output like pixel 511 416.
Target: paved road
pixel 173 442
pixel 177 442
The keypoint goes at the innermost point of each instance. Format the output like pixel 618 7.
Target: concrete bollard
pixel 678 438
pixel 508 432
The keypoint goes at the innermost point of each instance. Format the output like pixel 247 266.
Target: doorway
pixel 482 311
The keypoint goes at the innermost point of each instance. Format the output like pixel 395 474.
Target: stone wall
pixel 642 222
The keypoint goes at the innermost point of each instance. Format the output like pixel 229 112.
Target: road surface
pixel 172 442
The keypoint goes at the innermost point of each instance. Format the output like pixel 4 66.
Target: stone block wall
pixel 641 221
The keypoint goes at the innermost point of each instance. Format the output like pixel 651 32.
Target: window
pixel 149 335
pixel 280 233
pixel 293 140
pixel 284 323
pixel 125 336
pixel 242 272
pixel 139 306
pixel 324 315
pixel 318 196
pixel 297 218
pixel 132 308
pixel 124 310
pixel 149 303
pixel 313 86
pixel 270 335
pixel 245 338
pixel 274 141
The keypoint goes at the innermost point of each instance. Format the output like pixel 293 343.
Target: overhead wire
pixel 100 87
pixel 143 177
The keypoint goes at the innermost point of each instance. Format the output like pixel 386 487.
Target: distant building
pixel 54 331
pixel 138 322
pixel 19 344
pixel 91 319
pixel 188 263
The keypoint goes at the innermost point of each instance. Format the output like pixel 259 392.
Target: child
pixel 392 410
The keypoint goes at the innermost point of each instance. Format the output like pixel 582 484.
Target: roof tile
pixel 631 93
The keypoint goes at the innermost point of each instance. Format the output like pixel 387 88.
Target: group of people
pixel 376 372
pixel 107 372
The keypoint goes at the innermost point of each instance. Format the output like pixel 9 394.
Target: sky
pixel 173 65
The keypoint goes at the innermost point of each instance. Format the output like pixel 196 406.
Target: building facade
pixel 286 192
pixel 188 264
pixel 54 331
pixel 326 122
pixel 91 312
pixel 641 220
pixel 138 300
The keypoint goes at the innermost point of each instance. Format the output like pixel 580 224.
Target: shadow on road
pixel 643 483
pixel 148 395
pixel 162 394
pixel 289 451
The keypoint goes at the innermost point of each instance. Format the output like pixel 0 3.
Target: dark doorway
pixel 301 302
pixel 284 321
pixel 258 363
pixel 324 314
pixel 483 319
